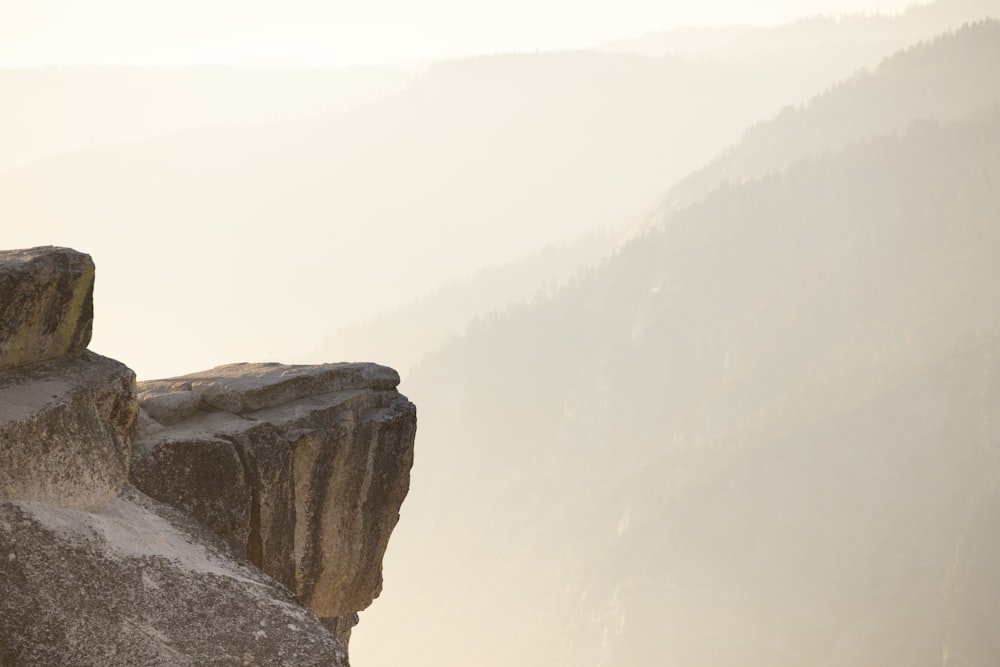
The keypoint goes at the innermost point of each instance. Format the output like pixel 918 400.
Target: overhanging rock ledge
pixel 302 469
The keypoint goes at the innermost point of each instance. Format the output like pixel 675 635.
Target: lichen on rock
pixel 47 308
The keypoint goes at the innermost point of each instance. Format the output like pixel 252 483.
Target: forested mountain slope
pixel 762 434
pixel 405 335
pixel 942 78
pixel 846 41
pixel 806 54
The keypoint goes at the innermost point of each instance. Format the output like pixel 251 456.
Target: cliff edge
pixel 236 516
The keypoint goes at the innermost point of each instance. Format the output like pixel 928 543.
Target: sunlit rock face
pixel 301 468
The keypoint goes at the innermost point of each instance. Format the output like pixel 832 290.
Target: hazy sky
pixel 324 32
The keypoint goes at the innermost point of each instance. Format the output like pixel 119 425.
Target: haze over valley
pixel 702 323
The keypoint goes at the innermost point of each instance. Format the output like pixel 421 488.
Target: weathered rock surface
pixel 136 583
pixel 242 388
pixel 301 468
pixel 92 572
pixel 66 429
pixel 170 407
pixel 47 304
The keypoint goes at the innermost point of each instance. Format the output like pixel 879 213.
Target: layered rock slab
pixel 302 469
pixel 47 304
pixel 135 583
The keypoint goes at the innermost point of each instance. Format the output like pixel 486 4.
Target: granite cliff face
pixel 302 469
pixel 239 516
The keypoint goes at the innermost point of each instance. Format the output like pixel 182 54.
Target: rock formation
pixel 299 470
pixel 302 469
pixel 47 304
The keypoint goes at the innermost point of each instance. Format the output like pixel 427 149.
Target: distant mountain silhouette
pixel 761 433
pixel 478 162
pixel 769 425
pixel 901 89
pixel 56 110
pixel 402 337
pixel 943 78
pixel 805 55
pixel 822 39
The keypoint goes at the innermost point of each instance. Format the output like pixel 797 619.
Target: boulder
pixel 47 304
pixel 133 582
pixel 66 429
pixel 169 407
pixel 312 485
